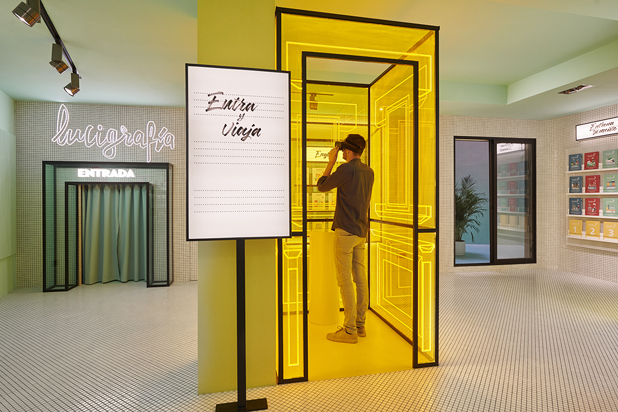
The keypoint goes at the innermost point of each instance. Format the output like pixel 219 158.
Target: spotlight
pixel 56 59
pixel 73 87
pixel 28 13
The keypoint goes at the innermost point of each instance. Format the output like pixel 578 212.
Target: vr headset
pixel 347 144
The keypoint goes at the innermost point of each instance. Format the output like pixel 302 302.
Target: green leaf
pixel 469 206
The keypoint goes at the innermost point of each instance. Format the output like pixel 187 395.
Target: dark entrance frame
pixel 107 165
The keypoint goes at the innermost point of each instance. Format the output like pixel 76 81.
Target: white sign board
pixel 597 129
pixel 238 153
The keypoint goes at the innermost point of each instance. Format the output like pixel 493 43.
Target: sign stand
pixel 241 343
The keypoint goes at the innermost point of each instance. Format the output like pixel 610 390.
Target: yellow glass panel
pixel 308 33
pixel 392 148
pixel 292 302
pixel 426 298
pixel 334 112
pixel 392 275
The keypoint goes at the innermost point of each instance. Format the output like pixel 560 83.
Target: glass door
pixel 515 222
pixel 472 188
pixel 495 202
pixel 403 231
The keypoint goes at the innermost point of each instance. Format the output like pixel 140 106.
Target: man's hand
pixel 332 155
pixel 332 159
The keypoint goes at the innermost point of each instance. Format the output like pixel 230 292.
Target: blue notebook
pixel 575 162
pixel 575 184
pixel 575 206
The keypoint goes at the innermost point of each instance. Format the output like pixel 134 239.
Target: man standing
pixel 354 181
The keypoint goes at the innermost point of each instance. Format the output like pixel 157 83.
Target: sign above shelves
pixel 597 129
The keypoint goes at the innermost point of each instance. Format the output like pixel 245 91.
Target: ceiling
pixel 498 58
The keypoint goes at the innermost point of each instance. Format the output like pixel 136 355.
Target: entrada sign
pixel 109 140
pixel 105 173
pixel 597 129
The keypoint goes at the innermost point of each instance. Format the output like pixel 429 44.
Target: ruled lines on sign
pixel 238 155
pixel 239 201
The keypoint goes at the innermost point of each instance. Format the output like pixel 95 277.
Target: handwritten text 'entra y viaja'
pixel 240 106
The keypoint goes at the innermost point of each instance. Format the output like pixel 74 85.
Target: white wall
pixel 8 237
pixel 554 137
pixel 37 123
pixel 7 115
pixel 451 126
pixel 599 260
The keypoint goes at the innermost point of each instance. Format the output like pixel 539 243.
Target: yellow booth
pixel 378 79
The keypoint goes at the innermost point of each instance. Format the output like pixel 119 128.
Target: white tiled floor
pixel 525 340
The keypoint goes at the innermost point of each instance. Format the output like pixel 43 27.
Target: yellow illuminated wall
pixel 250 44
pixel 394 273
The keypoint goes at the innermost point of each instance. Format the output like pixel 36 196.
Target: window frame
pixel 493 200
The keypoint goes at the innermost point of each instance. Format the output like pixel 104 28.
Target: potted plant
pixel 468 206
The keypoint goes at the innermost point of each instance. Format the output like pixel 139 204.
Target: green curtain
pixel 115 241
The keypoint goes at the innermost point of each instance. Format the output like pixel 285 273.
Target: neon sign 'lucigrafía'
pixel 109 140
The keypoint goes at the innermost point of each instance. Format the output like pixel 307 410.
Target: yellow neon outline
pixel 382 273
pixel 422 308
pixel 429 57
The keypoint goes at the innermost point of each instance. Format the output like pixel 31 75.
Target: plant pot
pixel 460 247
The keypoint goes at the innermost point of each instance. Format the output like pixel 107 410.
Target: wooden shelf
pixel 512 213
pixel 593 217
pixel 513 195
pixel 518 177
pixel 593 239
pixel 610 169
pixel 594 194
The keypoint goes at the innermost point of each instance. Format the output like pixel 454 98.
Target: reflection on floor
pixel 474 254
pixel 480 253
pixel 382 350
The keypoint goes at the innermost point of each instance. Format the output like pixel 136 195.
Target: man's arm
pixel 327 181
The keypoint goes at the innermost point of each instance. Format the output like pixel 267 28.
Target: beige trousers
pixel 351 272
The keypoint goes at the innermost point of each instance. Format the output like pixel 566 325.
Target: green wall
pixel 8 209
pixel 236 33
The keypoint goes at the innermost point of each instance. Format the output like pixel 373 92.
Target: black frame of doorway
pixel 53 176
pixel 435 230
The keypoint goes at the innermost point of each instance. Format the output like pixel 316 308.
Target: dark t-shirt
pixel 354 181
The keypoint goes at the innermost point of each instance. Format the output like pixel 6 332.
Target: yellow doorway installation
pixel 377 79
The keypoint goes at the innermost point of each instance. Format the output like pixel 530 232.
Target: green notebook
pixel 609 158
pixel 609 183
pixel 609 206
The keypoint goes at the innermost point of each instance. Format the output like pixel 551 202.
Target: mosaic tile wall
pixel 36 124
pixel 554 138
pixel 41 130
pixel 451 126
pixel 596 259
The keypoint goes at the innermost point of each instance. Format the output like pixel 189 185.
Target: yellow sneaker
pixel 361 331
pixel 342 336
